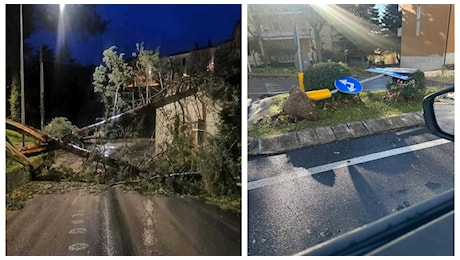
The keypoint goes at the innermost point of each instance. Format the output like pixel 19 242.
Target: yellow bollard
pixel 319 94
pixel 300 76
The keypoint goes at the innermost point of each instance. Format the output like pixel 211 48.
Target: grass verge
pixel 372 106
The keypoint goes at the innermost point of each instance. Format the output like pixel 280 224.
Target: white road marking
pixel 109 246
pixel 77 231
pixel 78 215
pixel 78 247
pixel 78 221
pixel 148 236
pixel 340 164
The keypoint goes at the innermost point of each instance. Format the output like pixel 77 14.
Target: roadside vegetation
pixel 400 97
pixel 209 172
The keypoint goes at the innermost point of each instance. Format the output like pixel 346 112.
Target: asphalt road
pixel 120 223
pixel 270 86
pixel 301 198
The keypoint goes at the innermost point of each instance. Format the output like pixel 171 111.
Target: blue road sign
pixel 402 70
pixel 348 85
pixel 389 73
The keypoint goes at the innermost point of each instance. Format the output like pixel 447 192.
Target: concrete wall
pixel 426 63
pixel 432 46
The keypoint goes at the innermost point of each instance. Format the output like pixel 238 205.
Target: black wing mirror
pixel 438 111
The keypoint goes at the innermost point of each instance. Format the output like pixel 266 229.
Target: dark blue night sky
pixel 172 28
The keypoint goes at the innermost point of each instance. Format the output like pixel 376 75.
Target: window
pixel 200 131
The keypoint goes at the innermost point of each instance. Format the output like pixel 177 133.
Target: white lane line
pixel 331 166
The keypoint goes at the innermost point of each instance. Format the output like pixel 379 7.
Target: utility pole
pixel 23 107
pixel 42 91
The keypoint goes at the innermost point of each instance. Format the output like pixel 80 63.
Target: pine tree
pixel 374 15
pixel 391 20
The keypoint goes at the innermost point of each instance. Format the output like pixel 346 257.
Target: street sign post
pixel 297 44
pixel 348 85
pixel 301 61
pixel 298 57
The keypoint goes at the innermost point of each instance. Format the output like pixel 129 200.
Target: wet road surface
pixel 120 223
pixel 301 198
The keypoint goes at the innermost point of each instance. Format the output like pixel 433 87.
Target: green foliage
pixel 176 169
pixel 279 51
pixel 411 90
pixel 61 128
pixel 14 101
pixel 226 88
pixel 333 55
pixel 220 171
pixel 323 74
pixel 109 77
pixel 148 61
pixel 372 106
pixel 445 78
pixel 391 19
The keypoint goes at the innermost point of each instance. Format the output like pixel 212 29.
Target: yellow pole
pixel 319 94
pixel 300 76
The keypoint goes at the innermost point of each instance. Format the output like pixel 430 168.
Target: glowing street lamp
pixel 42 81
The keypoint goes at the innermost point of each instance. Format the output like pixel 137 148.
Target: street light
pixel 42 80
pixel 21 53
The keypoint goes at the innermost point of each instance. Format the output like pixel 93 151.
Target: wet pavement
pixel 120 223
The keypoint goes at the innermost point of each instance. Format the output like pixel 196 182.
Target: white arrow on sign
pixel 351 85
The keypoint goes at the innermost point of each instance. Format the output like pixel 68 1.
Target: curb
pixel 328 134
pixel 264 75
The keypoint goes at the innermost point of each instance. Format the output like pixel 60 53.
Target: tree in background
pixel 109 77
pixel 390 22
pixel 257 17
pixel 148 62
pixel 374 15
pixel 85 22
pixel 391 19
pixel 60 78
pixel 15 112
pixel 316 22
pixel 368 20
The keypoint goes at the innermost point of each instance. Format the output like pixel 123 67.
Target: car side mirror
pixel 438 112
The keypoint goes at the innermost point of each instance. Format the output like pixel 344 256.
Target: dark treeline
pixel 68 91
pixel 68 85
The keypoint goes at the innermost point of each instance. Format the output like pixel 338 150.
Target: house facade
pixel 195 116
pixel 277 33
pixel 276 23
pixel 427 36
